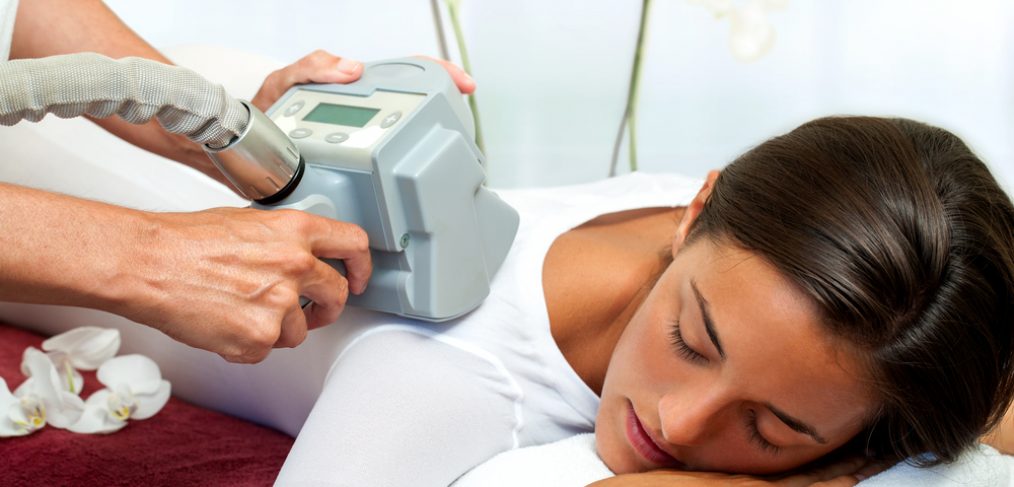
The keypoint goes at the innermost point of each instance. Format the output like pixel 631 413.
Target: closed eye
pixel 755 435
pixel 681 347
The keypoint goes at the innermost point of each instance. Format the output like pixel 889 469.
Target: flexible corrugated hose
pixel 135 89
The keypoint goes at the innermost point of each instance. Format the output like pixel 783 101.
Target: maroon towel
pixel 181 445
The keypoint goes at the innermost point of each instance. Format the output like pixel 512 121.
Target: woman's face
pixel 726 367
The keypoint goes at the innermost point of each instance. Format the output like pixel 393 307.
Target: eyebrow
pixel 709 326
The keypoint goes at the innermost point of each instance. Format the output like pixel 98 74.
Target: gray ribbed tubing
pixel 136 89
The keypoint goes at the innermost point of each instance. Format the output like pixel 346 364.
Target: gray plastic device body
pixel 395 153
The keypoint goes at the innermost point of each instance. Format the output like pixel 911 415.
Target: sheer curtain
pixel 553 75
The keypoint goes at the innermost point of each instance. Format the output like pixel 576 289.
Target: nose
pixel 687 418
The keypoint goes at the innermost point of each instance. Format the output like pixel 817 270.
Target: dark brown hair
pixel 906 243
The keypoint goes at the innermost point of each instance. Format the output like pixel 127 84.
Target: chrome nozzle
pixel 263 163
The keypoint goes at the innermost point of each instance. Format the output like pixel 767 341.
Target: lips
pixel 645 445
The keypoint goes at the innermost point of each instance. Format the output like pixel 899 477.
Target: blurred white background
pixel 553 76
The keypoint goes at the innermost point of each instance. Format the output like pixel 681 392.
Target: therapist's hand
pixel 229 280
pixel 323 67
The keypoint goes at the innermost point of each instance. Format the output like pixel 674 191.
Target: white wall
pixel 553 75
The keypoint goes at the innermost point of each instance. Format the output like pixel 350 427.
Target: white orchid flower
pixel 19 416
pixel 750 35
pixel 44 395
pixel 134 389
pixel 83 348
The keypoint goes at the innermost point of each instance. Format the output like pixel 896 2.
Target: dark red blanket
pixel 181 445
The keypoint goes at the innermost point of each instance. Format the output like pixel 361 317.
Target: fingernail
pixel 348 66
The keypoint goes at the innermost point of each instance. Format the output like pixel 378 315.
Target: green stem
pixel 632 146
pixel 635 85
pixel 70 376
pixel 452 11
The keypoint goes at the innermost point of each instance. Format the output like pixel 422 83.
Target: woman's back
pixel 463 390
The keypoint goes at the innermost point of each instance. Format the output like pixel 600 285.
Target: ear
pixel 693 211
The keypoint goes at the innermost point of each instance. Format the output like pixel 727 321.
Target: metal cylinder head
pixel 263 163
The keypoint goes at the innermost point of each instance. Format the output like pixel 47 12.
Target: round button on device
pixel 390 120
pixel 300 133
pixel 337 137
pixel 293 108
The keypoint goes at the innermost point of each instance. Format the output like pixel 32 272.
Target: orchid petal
pixel 6 398
pixel 64 383
pixel 41 372
pixel 70 379
pixel 12 417
pixel 28 415
pixel 73 379
pixel 98 398
pixel 130 370
pixel 15 423
pixel 9 428
pixel 62 407
pixel 25 387
pixel 149 404
pixel 146 386
pixel 96 419
pixel 751 35
pixel 87 347
pixel 121 403
pixel 65 411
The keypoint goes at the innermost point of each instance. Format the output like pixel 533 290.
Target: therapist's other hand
pixel 323 67
pixel 228 280
pixel 464 82
pixel 317 67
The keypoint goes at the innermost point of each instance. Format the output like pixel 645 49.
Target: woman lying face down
pixel 725 368
pixel 846 287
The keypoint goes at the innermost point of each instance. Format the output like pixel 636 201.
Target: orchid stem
pixel 635 85
pixel 459 36
pixel 627 121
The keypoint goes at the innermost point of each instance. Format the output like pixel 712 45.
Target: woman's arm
pixel 400 407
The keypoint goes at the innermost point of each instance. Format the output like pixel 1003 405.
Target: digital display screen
pixel 348 116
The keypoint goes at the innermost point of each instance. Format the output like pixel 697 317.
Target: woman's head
pixel 875 253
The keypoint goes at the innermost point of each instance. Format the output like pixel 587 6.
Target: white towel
pixel 979 467
pixel 573 462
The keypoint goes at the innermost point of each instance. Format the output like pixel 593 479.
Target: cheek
pixel 644 365
pixel 641 370
pixel 644 360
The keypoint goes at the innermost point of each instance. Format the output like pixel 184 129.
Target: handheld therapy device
pixel 394 153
